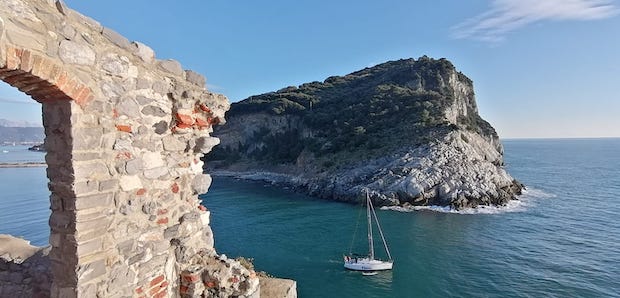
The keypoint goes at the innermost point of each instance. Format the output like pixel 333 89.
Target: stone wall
pixel 125 133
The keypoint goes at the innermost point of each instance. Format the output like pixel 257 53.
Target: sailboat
pixel 369 262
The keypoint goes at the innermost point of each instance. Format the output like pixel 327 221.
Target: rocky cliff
pixel 408 131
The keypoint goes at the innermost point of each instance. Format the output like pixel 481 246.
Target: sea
pixel 560 239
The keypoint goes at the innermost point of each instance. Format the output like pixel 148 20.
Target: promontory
pixel 406 131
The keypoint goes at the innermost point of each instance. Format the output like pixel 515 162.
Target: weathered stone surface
pixel 171 66
pixel 116 38
pixel 172 143
pixel 128 107
pixel 128 183
pixel 156 173
pixel 161 127
pixel 201 183
pixel 153 111
pixel 195 78
pixel 76 53
pixel 134 166
pixel 144 52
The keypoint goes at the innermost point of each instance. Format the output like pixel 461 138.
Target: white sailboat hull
pixel 366 264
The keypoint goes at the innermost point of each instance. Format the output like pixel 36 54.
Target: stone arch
pixel 125 134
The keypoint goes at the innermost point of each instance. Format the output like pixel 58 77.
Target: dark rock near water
pixel 408 131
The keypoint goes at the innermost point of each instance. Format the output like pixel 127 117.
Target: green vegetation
pixel 362 115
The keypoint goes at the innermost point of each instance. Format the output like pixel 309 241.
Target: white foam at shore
pixel 527 199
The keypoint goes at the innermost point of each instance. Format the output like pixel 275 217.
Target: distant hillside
pixel 21 134
pixel 407 130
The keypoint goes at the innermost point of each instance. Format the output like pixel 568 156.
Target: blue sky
pixel 541 68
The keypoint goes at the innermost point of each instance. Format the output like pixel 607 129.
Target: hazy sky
pixel 541 68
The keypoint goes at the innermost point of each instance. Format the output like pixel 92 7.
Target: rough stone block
pixel 116 38
pixel 195 78
pixel 87 186
pixel 108 185
pixel 75 53
pixel 134 166
pixel 201 183
pixel 91 170
pixel 156 173
pixel 92 201
pixel 90 271
pixel 172 143
pixel 144 52
pixel 89 247
pixel 128 183
pixel 171 66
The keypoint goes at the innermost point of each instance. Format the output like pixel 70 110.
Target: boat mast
pixel 370 244
pixel 381 233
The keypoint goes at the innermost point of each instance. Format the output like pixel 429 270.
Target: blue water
pixel 24 203
pixel 562 239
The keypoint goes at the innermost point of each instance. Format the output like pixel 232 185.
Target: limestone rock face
pixel 408 131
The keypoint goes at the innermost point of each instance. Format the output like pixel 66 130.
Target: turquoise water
pixel 562 239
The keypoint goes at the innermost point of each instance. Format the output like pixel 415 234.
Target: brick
pixel 161 294
pixel 183 125
pixel 141 192
pixel 162 221
pixel 26 61
pixel 13 58
pixel 204 108
pixel 202 123
pixel 175 188
pixel 185 119
pixel 123 128
pixel 162 211
pixel 190 277
pixel 139 290
pixel 157 280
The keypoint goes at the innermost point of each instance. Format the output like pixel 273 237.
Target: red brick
pixel 123 128
pixel 202 123
pixel 202 208
pixel 153 291
pixel 183 125
pixel 13 58
pixel 139 290
pixel 68 87
pixel 83 97
pixel 185 119
pixel 157 280
pixel 175 188
pixel 183 289
pixel 62 78
pixel 210 284
pixel 191 278
pixel 161 294
pixel 26 61
pixel 162 221
pixel 141 191
pixel 204 108
pixel 164 285
pixel 162 211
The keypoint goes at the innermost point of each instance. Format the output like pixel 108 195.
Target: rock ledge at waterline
pixel 407 130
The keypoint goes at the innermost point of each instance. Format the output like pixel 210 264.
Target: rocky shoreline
pixel 460 171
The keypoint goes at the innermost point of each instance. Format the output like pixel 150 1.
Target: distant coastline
pixel 22 164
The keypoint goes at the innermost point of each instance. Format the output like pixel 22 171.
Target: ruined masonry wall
pixel 125 133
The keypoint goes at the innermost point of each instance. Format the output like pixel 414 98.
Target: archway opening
pixel 24 204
